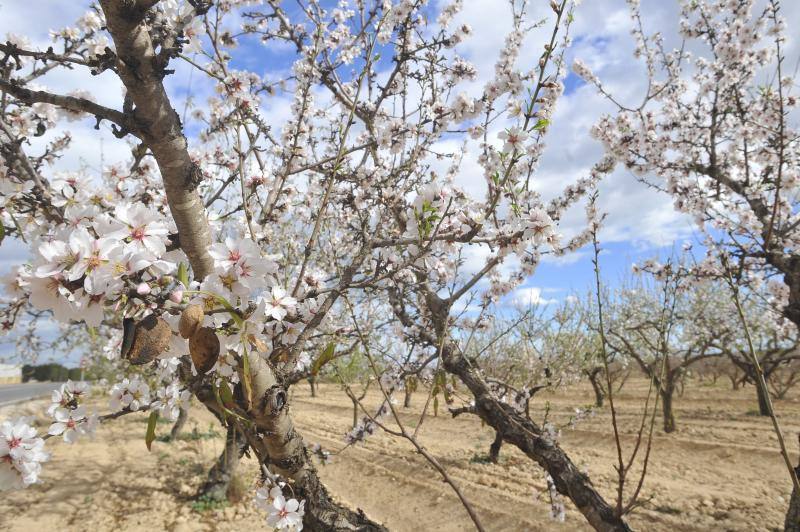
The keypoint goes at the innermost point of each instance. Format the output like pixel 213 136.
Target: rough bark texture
pixel 594 378
pixel 285 454
pixel 274 439
pixel 520 431
pixel 407 398
pixel 141 72
pixel 763 403
pixel 179 423
pixel 792 522
pixel 312 381
pixel 666 409
pixel 220 476
pixel 323 514
pixel 494 448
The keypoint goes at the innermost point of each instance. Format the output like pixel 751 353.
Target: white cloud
pixel 529 296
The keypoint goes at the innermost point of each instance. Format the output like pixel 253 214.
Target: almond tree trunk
pixel 273 437
pixel 526 435
pixel 142 71
pixel 594 378
pixel 763 402
pixel 666 409
pixel 494 448
pixel 183 415
pixel 220 476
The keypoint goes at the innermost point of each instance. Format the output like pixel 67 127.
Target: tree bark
pixel 599 396
pixel 407 398
pixel 666 409
pixel 312 381
pixel 494 448
pixel 179 423
pixel 763 403
pixel 325 515
pixel 141 71
pixel 273 436
pixel 522 432
pixel 221 474
pixel 281 447
pixel 792 521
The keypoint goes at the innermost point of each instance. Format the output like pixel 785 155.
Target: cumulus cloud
pixel 529 296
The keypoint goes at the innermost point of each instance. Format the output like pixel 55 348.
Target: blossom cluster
pixel 282 513
pixel 21 454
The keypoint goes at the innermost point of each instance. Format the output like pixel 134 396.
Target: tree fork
pixel 528 437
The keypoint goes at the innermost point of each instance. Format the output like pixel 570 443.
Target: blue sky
pixel 641 223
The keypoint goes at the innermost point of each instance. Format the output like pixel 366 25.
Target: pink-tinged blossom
pixel 514 139
pixel 282 514
pixel 142 227
pixel 278 304
pixel 69 423
pixel 240 264
pixel 68 395
pixel 21 454
pixel 93 257
pixel 170 400
pixel 176 296
pixel 54 257
pixel 129 393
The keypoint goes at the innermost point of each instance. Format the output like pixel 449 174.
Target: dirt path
pixel 720 471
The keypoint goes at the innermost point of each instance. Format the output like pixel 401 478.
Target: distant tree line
pixel 49 372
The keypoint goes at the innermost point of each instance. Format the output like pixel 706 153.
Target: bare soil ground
pixel 720 471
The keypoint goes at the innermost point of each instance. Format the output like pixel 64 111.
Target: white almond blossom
pixel 129 393
pixel 278 304
pixel 142 226
pixel 21 454
pixel 70 423
pixel 514 139
pixel 539 226
pixel 282 513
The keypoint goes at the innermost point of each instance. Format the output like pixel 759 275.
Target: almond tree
pixel 773 336
pixel 715 130
pixel 215 258
pixel 664 326
pixel 527 352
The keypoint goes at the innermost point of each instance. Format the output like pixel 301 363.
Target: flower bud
pixel 176 296
pixel 143 289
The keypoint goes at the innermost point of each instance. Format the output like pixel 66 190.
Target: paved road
pixel 11 393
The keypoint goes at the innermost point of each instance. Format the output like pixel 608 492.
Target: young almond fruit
pixel 151 337
pixel 191 320
pixel 204 348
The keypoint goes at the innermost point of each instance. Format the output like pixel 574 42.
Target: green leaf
pixel 183 274
pixel 541 124
pixel 2 232
pixel 247 381
pixel 151 428
pixel 225 393
pixel 324 358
